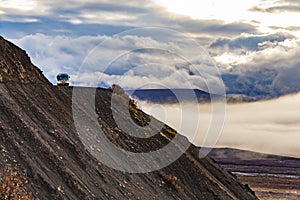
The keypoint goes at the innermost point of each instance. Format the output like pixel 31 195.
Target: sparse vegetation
pixel 117 89
pixel 170 130
pixel 137 115
pixel 171 180
pixel 162 134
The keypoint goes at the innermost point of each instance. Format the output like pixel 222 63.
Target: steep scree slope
pixel 42 157
pixel 15 65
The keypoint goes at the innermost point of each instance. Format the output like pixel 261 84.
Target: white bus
pixel 63 79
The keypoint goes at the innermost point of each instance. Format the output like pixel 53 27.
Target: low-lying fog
pixel 269 126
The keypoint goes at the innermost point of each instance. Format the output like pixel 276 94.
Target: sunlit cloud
pixel 18 4
pixel 117 13
pixel 214 9
pixel 244 11
pixel 33 8
pixel 277 6
pixel 253 45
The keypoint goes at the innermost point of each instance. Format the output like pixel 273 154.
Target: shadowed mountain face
pixel 42 156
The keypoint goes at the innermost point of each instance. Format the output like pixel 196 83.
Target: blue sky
pixel 253 44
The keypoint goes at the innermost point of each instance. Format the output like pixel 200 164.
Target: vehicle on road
pixel 63 79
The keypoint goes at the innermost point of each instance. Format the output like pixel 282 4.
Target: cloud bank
pixel 267 126
pixel 94 17
pixel 277 6
pixel 262 66
pixel 129 60
pixel 259 66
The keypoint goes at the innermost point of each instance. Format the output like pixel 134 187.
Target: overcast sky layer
pixel 254 44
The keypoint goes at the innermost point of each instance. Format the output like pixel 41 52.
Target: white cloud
pixel 26 8
pixel 55 14
pixel 265 72
pixel 213 9
pixel 54 54
pixel 18 4
pixel 250 42
pixel 127 59
pixel 267 126
pixel 91 11
pixel 265 65
pixel 251 12
pixel 244 53
pixel 277 6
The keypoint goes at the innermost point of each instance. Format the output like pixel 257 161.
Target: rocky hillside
pixel 42 156
pixel 16 67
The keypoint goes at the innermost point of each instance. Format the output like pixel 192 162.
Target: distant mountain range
pixel 170 96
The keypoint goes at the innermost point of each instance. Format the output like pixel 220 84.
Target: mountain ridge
pixel 16 66
pixel 173 96
pixel 42 156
